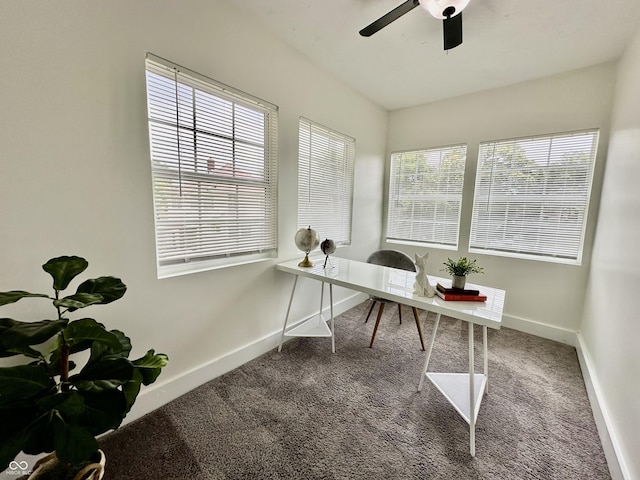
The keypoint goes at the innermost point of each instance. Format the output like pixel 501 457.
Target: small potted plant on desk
pixel 43 406
pixel 459 270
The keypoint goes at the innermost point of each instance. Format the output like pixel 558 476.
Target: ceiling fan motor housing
pixel 443 9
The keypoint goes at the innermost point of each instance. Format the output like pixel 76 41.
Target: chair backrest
pixel 392 258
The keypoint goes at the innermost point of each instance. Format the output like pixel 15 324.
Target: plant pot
pixel 92 471
pixel 459 281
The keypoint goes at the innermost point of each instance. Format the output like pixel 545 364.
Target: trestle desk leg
pixel 333 331
pixel 428 354
pixel 486 358
pixel 472 403
pixel 320 316
pixel 286 318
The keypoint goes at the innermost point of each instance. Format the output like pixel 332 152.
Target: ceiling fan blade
pixel 385 20
pixel 452 27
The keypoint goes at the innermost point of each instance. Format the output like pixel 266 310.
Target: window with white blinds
pixel 325 181
pixel 213 158
pixel 425 196
pixel 532 195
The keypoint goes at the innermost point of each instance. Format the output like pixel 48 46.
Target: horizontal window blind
pixel 213 158
pixel 425 195
pixel 532 195
pixel 325 181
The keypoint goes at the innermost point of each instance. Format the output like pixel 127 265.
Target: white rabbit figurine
pixel 422 286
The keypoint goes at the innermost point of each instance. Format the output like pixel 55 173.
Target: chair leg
pixel 400 313
pixel 373 304
pixel 415 315
pixel 375 328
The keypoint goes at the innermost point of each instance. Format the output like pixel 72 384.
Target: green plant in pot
pixel 47 402
pixel 459 269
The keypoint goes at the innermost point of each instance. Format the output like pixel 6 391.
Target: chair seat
pixel 380 299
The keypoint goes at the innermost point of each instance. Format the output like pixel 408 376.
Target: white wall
pixel 537 292
pixel 610 327
pixel 75 170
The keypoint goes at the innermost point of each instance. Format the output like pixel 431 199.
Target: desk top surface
pixel 397 285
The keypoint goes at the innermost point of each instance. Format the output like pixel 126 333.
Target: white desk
pixel 464 391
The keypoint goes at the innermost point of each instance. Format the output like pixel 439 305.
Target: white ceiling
pixel 404 64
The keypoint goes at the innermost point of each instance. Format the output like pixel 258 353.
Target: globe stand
pixel 306 240
pixel 306 262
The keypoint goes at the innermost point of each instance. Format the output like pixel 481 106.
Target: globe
pixel 306 240
pixel 328 246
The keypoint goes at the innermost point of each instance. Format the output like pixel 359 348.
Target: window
pixel 325 181
pixel 425 196
pixel 213 158
pixel 532 194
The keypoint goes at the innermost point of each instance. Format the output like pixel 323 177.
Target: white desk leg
pixel 286 318
pixel 321 317
pixel 486 358
pixel 472 403
pixel 333 332
pixel 428 354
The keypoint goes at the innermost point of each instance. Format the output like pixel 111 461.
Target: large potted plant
pixel 47 402
pixel 459 269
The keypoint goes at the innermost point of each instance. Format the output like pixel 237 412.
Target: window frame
pixel 587 186
pixel 203 216
pixel 454 242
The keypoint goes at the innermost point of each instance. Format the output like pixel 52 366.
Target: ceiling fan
pixel 450 11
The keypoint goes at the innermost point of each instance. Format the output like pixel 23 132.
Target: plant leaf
pixel 74 444
pixel 6 324
pixel 150 366
pixel 20 383
pixel 99 350
pixel 19 434
pixel 26 351
pixel 70 404
pixel 85 330
pixel 132 388
pixel 111 288
pixel 108 373
pixel 64 269
pixel 10 447
pixel 104 411
pixel 78 300
pixel 15 295
pixel 22 334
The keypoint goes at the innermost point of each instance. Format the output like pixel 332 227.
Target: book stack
pixel 459 294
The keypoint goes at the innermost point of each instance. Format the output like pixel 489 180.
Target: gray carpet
pixel 306 413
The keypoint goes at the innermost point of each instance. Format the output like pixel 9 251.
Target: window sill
pixel 169 271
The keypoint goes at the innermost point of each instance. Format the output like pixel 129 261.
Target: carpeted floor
pixel 306 413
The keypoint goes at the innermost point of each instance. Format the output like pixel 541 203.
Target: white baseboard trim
pixel 539 329
pixel 608 437
pixel 162 393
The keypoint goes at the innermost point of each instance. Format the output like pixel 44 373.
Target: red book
pixel 454 297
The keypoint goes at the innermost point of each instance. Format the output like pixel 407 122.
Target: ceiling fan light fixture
pixel 443 9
